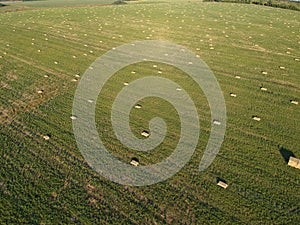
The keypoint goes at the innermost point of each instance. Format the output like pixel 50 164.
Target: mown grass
pixel 49 181
pixel 42 4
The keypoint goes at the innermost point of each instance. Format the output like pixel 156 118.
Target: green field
pixel 45 52
pixel 35 4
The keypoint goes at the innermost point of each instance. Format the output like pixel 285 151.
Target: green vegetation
pixel 22 5
pixel 49 182
pixel 284 4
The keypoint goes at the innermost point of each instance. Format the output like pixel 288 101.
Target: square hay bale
pixel 145 133
pixel 73 117
pixel 46 137
pixel 222 184
pixel 134 162
pixel 263 89
pixel 294 102
pixel 237 77
pixel 264 72
pixel 232 95
pixel 256 118
pixel 217 122
pixel 294 162
pixel 138 106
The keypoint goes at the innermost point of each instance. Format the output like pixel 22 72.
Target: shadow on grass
pixel 220 179
pixel 286 154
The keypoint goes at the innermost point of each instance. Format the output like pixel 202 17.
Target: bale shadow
pixel 286 154
pixel 220 179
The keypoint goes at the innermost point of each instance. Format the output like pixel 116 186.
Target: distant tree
pixel 119 2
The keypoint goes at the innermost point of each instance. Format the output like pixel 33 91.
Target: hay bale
pixel 134 162
pixel 263 89
pixel 178 89
pixel 126 83
pixel 138 106
pixel 222 184
pixel 73 117
pixel 294 162
pixel 237 77
pixel 294 102
pixel 281 67
pixel 256 118
pixel 217 122
pixel 232 95
pixel 264 72
pixel 46 137
pixel 145 133
pixel 40 92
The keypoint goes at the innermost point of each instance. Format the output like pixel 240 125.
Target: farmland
pixel 45 52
